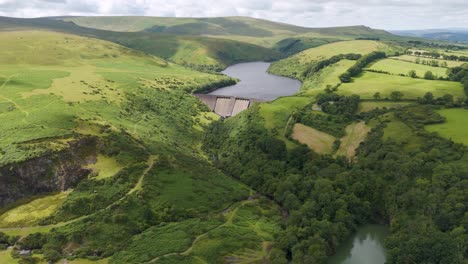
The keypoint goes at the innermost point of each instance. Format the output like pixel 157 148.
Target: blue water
pixel 257 83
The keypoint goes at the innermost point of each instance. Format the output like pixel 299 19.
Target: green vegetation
pixel 369 106
pixel 201 53
pixel 288 39
pixel 356 133
pixel 295 65
pixel 410 58
pixel 30 213
pixel 277 113
pixel 320 142
pixel 360 64
pixel 370 83
pixel 454 127
pixel 328 198
pixel 402 68
pixel 153 177
pixel 105 167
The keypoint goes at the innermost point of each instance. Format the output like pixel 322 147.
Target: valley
pixel 353 151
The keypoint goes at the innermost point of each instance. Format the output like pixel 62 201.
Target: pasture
pixel 370 83
pixel 355 134
pixel 455 127
pixel 318 141
pixel 397 131
pixel 410 58
pixel 295 65
pixel 369 106
pixel 326 77
pixel 276 114
pixel 403 67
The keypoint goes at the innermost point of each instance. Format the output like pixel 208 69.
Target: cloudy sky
pixel 384 14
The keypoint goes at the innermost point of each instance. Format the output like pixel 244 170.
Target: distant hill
pixel 450 34
pixel 198 52
pixel 256 31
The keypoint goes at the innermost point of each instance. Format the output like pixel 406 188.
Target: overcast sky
pixel 384 14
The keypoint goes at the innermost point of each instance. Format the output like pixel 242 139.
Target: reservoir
pixel 256 83
pixel 364 247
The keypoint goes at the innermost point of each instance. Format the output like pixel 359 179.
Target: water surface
pixel 257 83
pixel 364 247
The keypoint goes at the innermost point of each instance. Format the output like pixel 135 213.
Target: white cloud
pixel 388 14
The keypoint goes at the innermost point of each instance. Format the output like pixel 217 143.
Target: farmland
pixel 326 77
pixel 107 157
pixel 369 106
pixel 295 65
pixel 370 83
pixel 454 127
pixel 320 142
pixel 410 58
pixel 355 134
pixel 403 67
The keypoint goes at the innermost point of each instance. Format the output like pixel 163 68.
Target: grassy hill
pixel 295 66
pixel 127 122
pixel 194 51
pixel 283 37
pixel 106 156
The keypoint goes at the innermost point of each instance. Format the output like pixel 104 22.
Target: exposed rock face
pixel 52 172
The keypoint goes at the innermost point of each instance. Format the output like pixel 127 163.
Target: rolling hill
pixel 121 128
pixel 107 157
pixel 251 30
pixel 194 51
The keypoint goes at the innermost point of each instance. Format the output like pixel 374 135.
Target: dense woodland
pixel 419 192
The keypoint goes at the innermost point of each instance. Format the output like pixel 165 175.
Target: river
pixel 364 247
pixel 256 83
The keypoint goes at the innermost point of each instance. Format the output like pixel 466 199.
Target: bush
pixel 412 74
pixel 429 75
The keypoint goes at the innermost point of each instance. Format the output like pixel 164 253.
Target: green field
pixel 28 214
pixel 276 115
pixel 6 257
pixel 455 128
pixel 369 106
pixel 402 67
pixel 370 83
pixel 295 65
pixel 326 77
pixel 355 134
pixel 397 131
pixel 410 58
pixel 316 140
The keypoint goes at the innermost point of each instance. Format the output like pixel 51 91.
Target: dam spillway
pixel 226 106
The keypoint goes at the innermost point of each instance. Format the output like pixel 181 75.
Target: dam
pixel 226 106
pixel 256 85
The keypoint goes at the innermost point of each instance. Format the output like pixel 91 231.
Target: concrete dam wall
pixel 226 106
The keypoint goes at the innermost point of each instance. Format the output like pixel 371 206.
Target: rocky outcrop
pixel 52 172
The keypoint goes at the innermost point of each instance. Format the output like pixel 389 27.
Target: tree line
pixel 437 55
pixel 360 64
pixel 316 67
